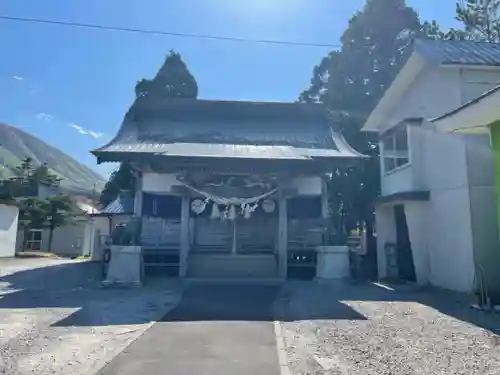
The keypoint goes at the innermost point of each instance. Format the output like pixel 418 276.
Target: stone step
pixel 227 266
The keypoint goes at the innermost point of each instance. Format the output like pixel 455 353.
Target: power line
pixel 166 33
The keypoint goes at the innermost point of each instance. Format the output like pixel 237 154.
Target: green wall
pixel 495 144
pixel 486 248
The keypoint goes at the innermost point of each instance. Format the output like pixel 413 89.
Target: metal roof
pixel 217 150
pixel 123 205
pixel 460 52
pixel 219 129
pixel 307 134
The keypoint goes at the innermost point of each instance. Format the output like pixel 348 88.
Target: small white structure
pixel 436 216
pixel 125 268
pixel 333 263
pixel 9 216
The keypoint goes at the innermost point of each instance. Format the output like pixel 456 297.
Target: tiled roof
pixel 205 128
pixel 460 52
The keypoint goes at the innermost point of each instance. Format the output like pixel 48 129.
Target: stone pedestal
pixel 125 268
pixel 333 263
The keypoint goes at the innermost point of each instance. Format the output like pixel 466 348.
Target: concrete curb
pixel 281 348
pixel 99 365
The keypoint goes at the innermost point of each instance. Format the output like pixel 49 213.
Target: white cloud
pixel 84 131
pixel 44 116
pixel 18 78
pixel 96 134
pixel 79 129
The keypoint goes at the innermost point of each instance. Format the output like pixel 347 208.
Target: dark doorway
pixel 406 268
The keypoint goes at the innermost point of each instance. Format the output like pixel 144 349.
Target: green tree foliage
pixel 480 19
pixel 28 179
pixel 173 81
pixel 42 174
pixel 123 179
pixel 58 210
pixel 31 214
pixel 26 168
pixel 51 212
pixel 350 81
pixel 35 212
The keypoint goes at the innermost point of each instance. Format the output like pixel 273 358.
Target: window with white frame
pixel 34 241
pixel 395 151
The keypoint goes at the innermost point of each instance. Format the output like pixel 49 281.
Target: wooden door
pixel 406 268
pixel 213 236
pixel 257 235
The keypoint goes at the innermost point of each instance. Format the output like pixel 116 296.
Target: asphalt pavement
pixel 215 330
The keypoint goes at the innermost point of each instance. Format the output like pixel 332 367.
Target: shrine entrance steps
pixel 232 266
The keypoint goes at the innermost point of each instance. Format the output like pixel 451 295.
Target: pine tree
pixel 350 82
pixel 172 81
pixel 122 179
pixel 480 18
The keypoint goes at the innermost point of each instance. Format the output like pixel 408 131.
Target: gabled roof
pixel 431 52
pixel 122 205
pixel 226 129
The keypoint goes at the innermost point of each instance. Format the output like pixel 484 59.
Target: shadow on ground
pixel 459 308
pixel 76 285
pixel 250 302
pixel 299 301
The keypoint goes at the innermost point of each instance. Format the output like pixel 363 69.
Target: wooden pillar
pixel 325 210
pixel 138 197
pixel 282 235
pixel 234 243
pixel 184 250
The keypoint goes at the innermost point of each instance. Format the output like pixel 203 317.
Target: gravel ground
pixel 56 319
pixel 364 329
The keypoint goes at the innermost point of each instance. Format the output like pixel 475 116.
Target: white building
pixel 437 206
pixel 9 216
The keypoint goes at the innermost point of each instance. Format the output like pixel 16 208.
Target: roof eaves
pixel 344 146
pixel 403 80
pixel 415 195
pixel 125 124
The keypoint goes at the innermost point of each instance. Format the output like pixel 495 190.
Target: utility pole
pixel 93 198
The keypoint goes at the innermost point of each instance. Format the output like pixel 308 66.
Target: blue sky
pixel 71 86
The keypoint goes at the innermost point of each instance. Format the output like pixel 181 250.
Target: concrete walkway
pixel 215 330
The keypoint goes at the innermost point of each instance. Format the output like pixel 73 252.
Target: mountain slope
pixel 16 144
